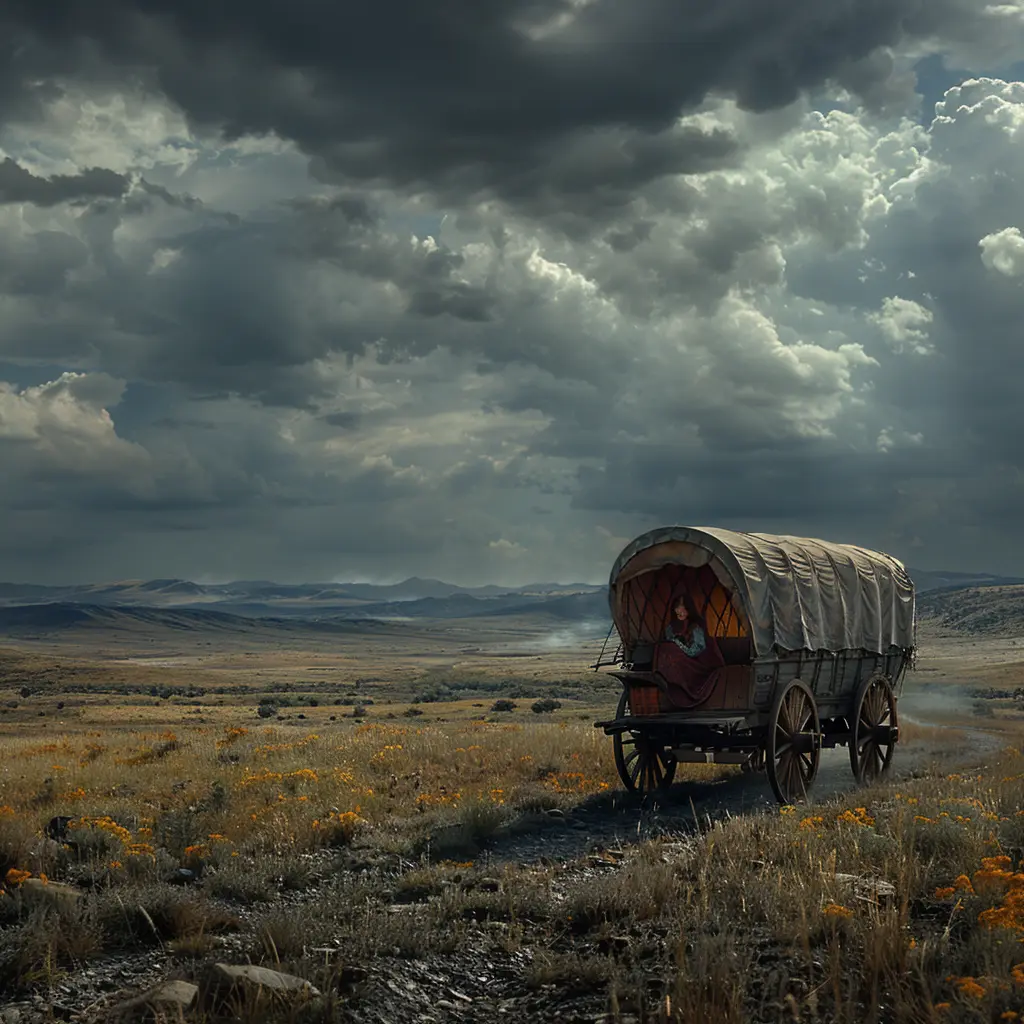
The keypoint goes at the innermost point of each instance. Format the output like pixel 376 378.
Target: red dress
pixel 688 675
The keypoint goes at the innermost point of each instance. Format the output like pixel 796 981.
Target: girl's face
pixel 680 609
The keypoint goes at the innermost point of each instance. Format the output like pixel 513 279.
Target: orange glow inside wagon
pixel 648 583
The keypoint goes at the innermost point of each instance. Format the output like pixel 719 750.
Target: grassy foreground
pixel 333 855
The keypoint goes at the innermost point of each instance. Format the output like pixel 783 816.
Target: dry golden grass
pixel 751 920
pixel 203 794
pixel 913 733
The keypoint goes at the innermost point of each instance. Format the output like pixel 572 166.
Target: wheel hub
pixel 806 742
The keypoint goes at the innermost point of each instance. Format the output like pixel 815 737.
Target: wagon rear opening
pixel 644 615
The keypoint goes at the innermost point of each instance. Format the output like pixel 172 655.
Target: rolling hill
pixel 285 598
pixel 975 603
pixel 42 619
pixel 991 611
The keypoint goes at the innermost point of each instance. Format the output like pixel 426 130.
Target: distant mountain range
pixel 262 604
pixel 177 593
pixel 230 605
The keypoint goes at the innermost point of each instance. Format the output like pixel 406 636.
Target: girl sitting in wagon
pixel 688 654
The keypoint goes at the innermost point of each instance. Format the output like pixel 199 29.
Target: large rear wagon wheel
pixel 874 730
pixel 793 748
pixel 643 764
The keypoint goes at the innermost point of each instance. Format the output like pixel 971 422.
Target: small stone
pixel 489 884
pixel 227 986
pixel 36 892
pixel 555 812
pixel 167 1002
pixel 870 890
pixel 45 850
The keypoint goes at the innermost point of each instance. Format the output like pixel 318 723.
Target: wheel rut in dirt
pixel 620 818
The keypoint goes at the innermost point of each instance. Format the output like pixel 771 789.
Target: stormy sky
pixel 310 291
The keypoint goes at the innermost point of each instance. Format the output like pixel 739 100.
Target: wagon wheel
pixel 794 743
pixel 643 763
pixel 874 730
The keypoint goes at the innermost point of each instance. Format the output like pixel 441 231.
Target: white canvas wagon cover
pixel 795 592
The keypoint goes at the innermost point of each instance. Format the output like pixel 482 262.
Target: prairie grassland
pixel 274 791
pixel 905 904
pixel 379 855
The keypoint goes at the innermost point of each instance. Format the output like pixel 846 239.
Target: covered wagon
pixel 811 642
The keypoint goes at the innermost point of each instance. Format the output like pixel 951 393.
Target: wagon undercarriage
pixel 786 742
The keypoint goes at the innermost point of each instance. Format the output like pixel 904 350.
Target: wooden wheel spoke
pixel 878 704
pixel 796 777
pixel 793 771
pixel 782 768
pixel 797 711
pixel 782 722
pixel 868 757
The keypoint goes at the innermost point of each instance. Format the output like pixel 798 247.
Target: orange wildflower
pixel 969 987
pixel 836 910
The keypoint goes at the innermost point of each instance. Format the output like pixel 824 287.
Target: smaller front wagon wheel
pixel 644 764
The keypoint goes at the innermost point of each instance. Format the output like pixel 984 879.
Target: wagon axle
pixel 690 756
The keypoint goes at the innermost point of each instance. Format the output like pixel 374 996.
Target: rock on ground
pixel 166 1003
pixel 227 986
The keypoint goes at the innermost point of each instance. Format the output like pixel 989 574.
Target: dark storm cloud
pixel 148 191
pixel 484 96
pixel 17 185
pixel 40 263
pixel 184 201
pixel 454 299
pixel 238 308
pixel 342 420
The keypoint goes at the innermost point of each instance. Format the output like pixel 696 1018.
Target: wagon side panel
pixel 854 668
pixel 835 679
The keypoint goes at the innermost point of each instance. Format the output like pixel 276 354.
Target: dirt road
pixel 619 818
